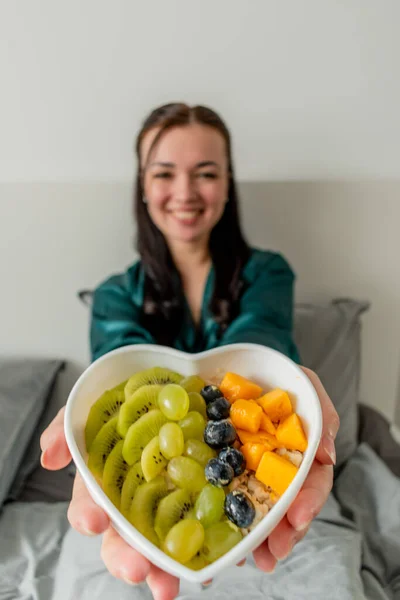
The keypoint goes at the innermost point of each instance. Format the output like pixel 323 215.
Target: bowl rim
pixel 142 544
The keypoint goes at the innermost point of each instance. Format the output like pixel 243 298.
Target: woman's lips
pixel 187 217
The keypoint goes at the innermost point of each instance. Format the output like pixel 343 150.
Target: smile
pixel 186 215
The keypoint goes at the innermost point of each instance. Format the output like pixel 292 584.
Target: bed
pixel 352 550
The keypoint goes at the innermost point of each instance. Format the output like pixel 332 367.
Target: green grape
pixel 184 540
pixel 171 440
pixel 173 401
pixel 198 562
pixel 197 403
pixel 209 506
pixel 193 383
pixel 193 426
pixel 219 539
pixel 186 473
pixel 199 451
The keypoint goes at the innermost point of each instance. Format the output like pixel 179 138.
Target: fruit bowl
pixel 265 366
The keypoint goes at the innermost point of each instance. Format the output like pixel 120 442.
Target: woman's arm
pixel 115 318
pixel 266 309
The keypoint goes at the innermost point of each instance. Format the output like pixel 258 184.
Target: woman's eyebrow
pixel 207 163
pixel 163 164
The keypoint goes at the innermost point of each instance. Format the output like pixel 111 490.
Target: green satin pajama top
pixel 266 311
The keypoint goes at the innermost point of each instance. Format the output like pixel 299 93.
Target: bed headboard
pixel 341 238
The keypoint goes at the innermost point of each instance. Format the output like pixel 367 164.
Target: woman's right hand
pixel 123 561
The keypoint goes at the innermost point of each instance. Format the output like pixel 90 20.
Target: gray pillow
pixel 25 387
pixel 328 337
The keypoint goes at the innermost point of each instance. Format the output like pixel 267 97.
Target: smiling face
pixel 185 181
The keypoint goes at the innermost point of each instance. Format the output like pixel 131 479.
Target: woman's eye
pixel 164 175
pixel 208 175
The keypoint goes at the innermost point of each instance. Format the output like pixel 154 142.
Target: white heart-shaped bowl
pixel 264 366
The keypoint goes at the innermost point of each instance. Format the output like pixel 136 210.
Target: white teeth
pixel 186 214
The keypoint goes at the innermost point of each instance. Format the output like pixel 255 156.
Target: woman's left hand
pixel 313 494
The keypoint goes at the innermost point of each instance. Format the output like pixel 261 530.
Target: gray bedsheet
pixel 352 551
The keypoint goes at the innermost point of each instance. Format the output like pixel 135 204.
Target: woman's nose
pixel 184 188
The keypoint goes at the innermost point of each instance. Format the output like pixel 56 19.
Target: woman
pixel 198 285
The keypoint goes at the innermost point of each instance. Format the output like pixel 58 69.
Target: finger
pixel 330 421
pixel 311 497
pixel 263 558
pixel 163 585
pixel 83 513
pixel 122 560
pixel 283 539
pixel 241 563
pixel 53 429
pixel 55 452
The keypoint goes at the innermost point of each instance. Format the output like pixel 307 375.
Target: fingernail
pixel 329 447
pixel 128 581
pixel 43 458
pixel 302 526
pixel 85 530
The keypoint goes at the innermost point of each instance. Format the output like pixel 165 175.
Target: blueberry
pixel 218 434
pixel 239 509
pixel 210 393
pixel 233 457
pixel 218 409
pixel 218 473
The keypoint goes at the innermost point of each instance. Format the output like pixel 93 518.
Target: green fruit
pixel 171 440
pixel 186 473
pixel 106 439
pixel 152 460
pixel 198 562
pixel 140 403
pixel 155 375
pixel 199 451
pixel 171 509
pixel 115 471
pixel 133 479
pixel 209 507
pixel 193 426
pixel 219 539
pixel 140 434
pixel 106 407
pixel 144 507
pixel 193 383
pixel 197 404
pixel 173 401
pixel 120 387
pixel 184 540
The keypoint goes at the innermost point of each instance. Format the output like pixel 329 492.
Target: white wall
pixel 341 239
pixel 310 89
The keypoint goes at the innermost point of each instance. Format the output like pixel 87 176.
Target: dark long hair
pixel 163 296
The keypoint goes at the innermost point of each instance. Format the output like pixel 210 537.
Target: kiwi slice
pixel 152 461
pixel 144 506
pixel 171 509
pixel 102 445
pixel 114 474
pixel 121 386
pixel 141 433
pixel 140 403
pixel 132 481
pixel 101 412
pixel 155 375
